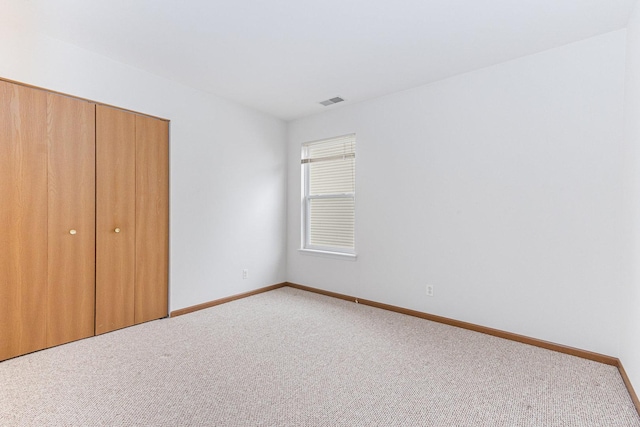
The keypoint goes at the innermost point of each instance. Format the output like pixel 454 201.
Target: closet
pixel 131 213
pixel 84 211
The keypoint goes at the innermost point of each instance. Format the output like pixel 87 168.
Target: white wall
pixel 501 187
pixel 227 177
pixel 630 351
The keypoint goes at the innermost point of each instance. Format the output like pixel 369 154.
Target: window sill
pixel 328 254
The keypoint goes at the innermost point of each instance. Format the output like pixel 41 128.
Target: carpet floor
pixel 293 358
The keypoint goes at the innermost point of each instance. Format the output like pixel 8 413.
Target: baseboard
pixel 213 303
pixel 597 357
pixel 471 326
pixel 627 382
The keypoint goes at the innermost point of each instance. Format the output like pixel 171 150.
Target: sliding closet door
pixel 71 229
pixel 23 216
pixel 115 218
pixel 152 218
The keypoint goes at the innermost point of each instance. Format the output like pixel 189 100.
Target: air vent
pixel 332 101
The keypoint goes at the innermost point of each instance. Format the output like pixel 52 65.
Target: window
pixel 329 192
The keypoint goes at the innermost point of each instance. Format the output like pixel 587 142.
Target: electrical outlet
pixel 429 290
pixel 245 273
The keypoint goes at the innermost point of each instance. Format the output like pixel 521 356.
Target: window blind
pixel 330 193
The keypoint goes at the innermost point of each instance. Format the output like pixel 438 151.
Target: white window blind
pixel 329 194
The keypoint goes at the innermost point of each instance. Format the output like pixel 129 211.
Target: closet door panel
pixel 115 218
pixel 23 216
pixel 71 291
pixel 152 218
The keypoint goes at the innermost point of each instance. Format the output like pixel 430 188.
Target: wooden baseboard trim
pixel 470 326
pixel 627 382
pixel 213 303
pixel 596 357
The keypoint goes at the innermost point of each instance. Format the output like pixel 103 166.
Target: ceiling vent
pixel 332 101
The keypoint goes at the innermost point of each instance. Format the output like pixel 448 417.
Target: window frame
pixel 307 199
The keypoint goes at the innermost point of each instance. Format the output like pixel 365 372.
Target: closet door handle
pixel 72 231
pixel 117 230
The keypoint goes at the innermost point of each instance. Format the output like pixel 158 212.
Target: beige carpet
pixel 292 358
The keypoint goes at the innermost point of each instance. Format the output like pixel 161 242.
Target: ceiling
pixel 285 56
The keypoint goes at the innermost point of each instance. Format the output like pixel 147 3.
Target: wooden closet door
pixel 71 290
pixel 23 217
pixel 152 218
pixel 115 218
